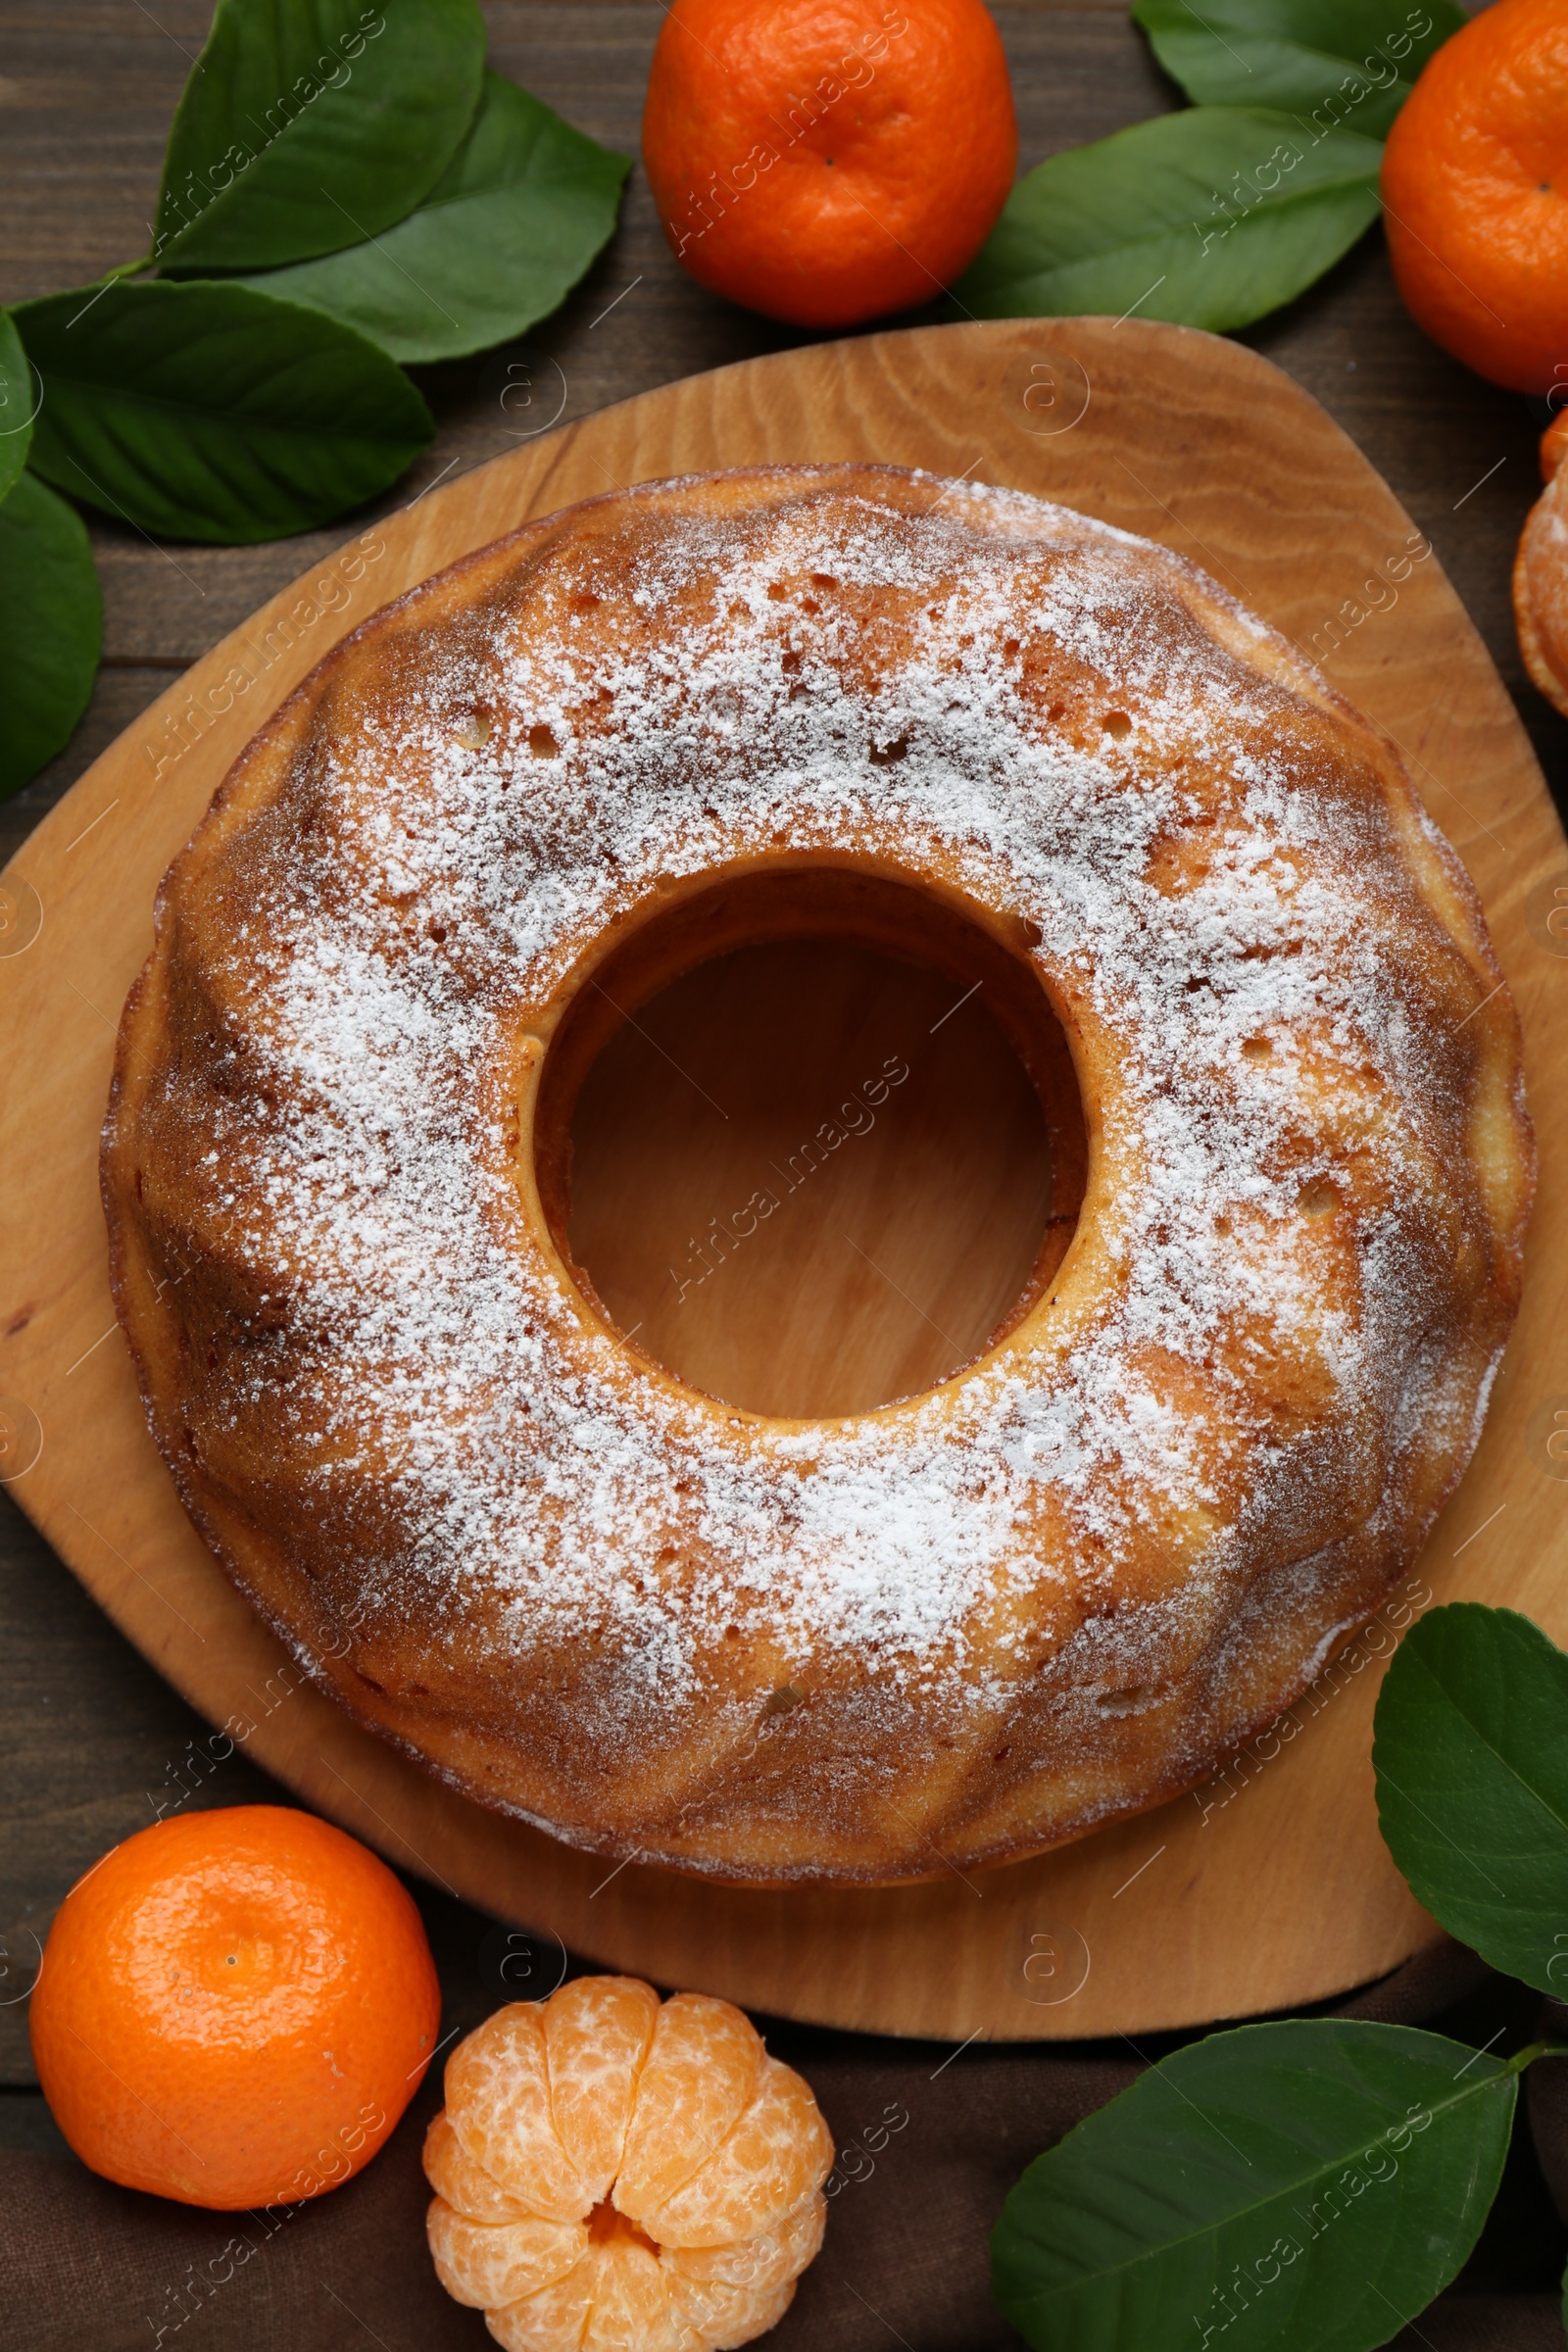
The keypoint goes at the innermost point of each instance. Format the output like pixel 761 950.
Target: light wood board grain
pixel 1269 1888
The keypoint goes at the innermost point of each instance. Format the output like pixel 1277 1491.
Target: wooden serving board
pixel 1269 1888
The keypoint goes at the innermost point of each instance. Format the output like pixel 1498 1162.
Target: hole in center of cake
pixel 812 1140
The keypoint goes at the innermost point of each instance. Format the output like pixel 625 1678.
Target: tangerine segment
pixel 597 2033
pixel 746 2315
pixel 727 2294
pixel 235 2007
pixel 487 2264
pixel 702 2070
pixel 630 2306
pixel 776 2154
pixel 1475 190
pixel 555 2319
pixel 764 2262
pixel 455 2176
pixel 498 2097
pixel 825 161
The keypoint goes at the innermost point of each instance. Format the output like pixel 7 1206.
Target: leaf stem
pixel 1536 2049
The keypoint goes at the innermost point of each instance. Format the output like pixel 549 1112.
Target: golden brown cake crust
pixel 1046 1594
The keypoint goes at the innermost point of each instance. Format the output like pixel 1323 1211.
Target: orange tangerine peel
pixel 613 2173
pixel 234 2008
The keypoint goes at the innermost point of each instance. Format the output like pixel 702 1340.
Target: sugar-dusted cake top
pixel 1267 1352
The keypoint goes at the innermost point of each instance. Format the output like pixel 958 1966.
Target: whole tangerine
pixel 1475 193
pixel 234 2008
pixel 824 161
pixel 613 2171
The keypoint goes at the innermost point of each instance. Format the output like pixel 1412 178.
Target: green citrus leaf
pixel 1306 2187
pixel 202 411
pixel 308 124
pixel 1350 62
pixel 519 212
pixel 51 628
pixel 18 400
pixel 1471 1753
pixel 1209 218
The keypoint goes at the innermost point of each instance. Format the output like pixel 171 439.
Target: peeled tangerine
pixel 616 2176
pixel 1540 575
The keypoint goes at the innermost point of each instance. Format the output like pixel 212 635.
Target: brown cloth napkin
pixel 86 2267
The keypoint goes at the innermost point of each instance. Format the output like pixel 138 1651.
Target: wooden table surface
pixel 89 1736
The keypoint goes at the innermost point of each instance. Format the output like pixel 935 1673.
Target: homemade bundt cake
pixel 971 1623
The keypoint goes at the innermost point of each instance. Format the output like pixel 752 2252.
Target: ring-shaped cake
pixel 976 1621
